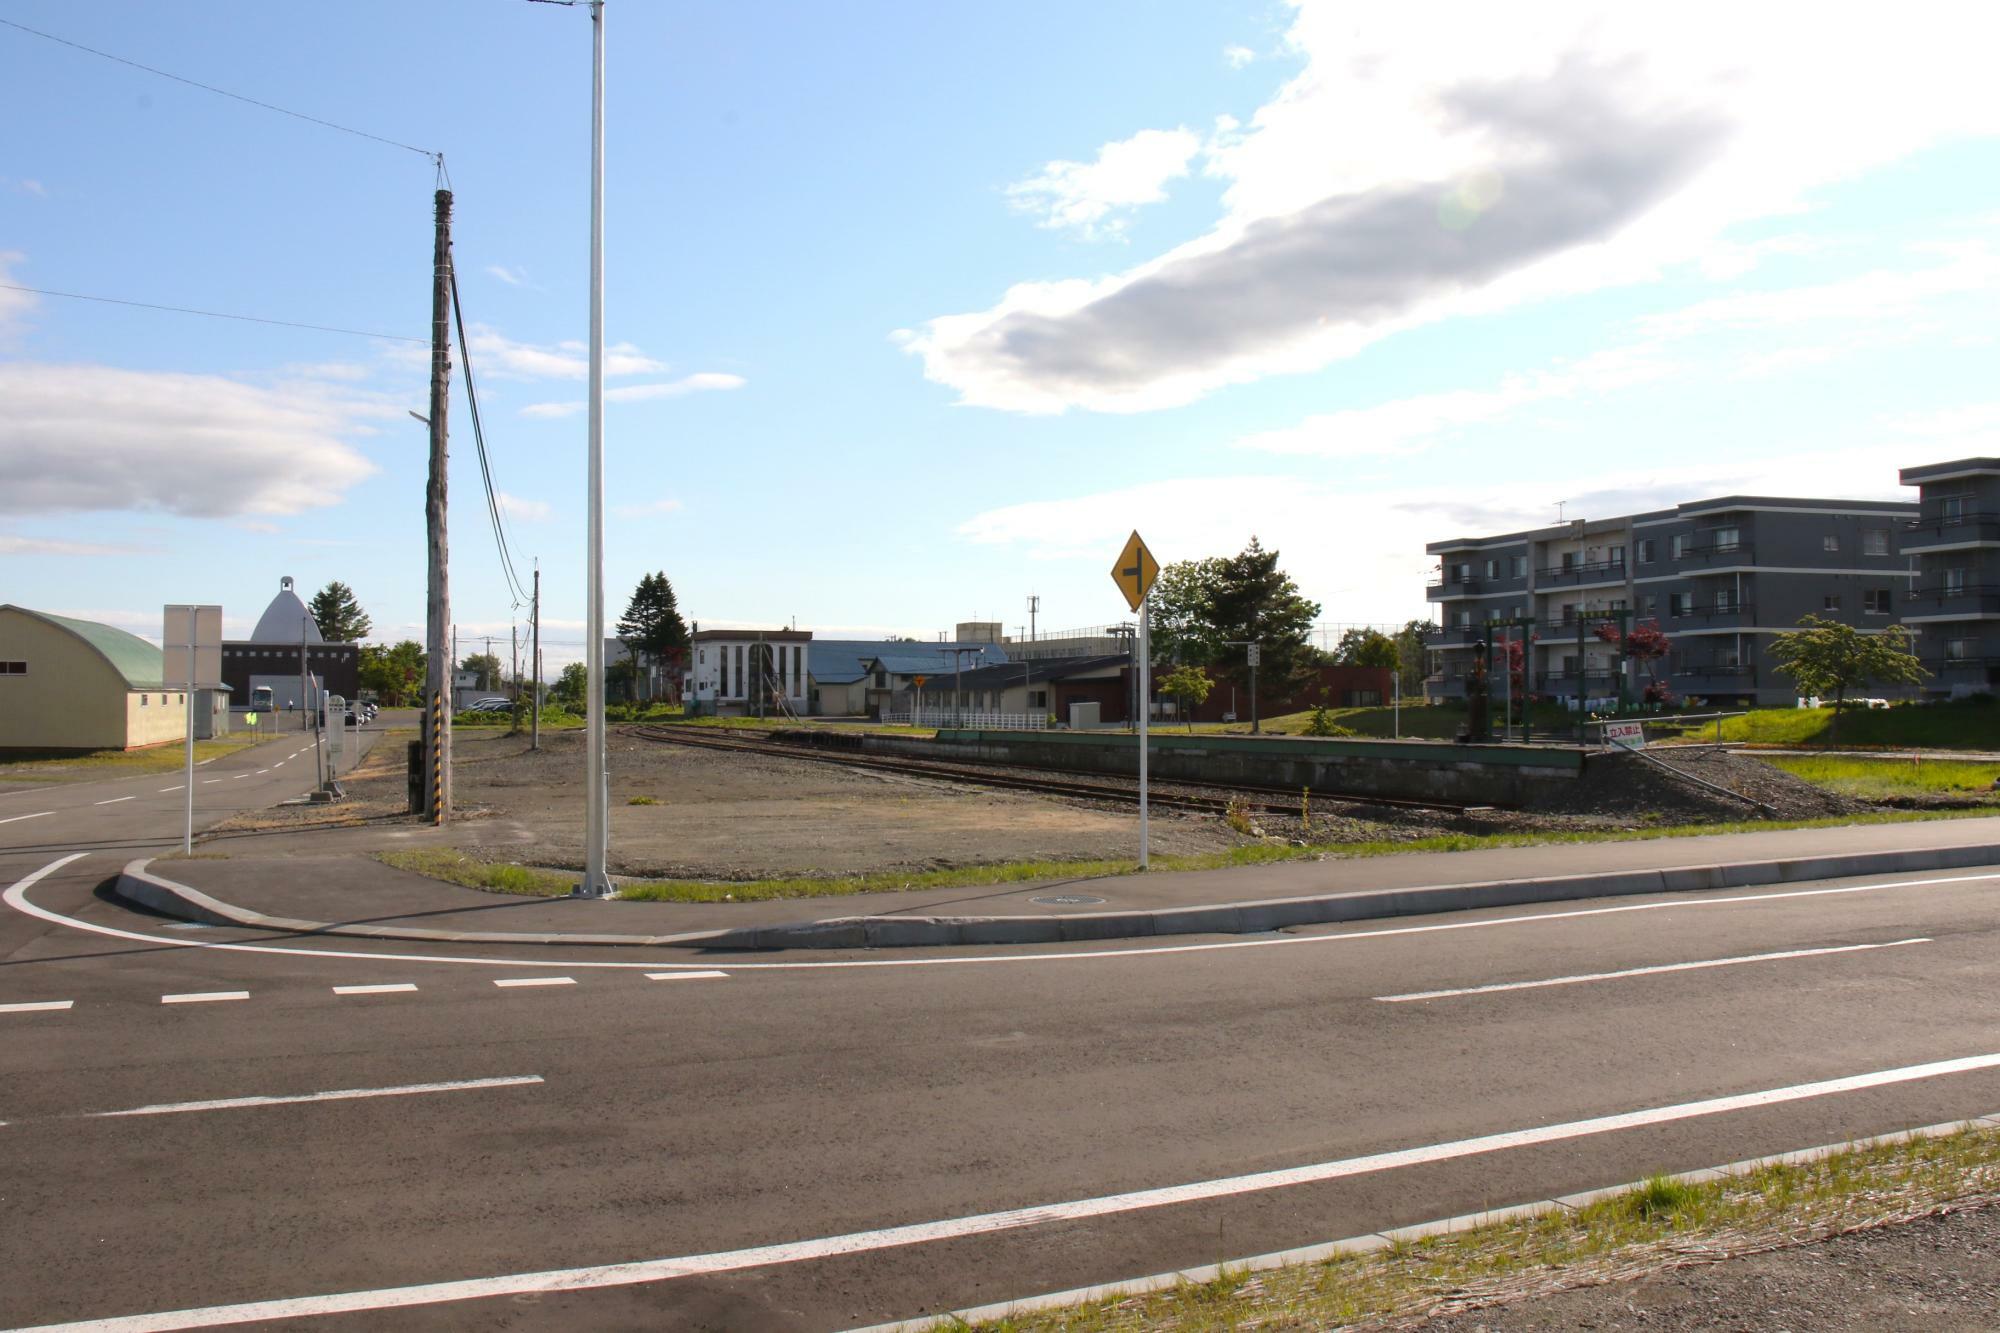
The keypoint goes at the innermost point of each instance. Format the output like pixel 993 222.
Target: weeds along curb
pixel 149 889
pixel 1379 1240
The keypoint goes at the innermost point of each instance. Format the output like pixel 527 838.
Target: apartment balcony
pixel 1449 588
pixel 1572 576
pixel 1454 636
pixel 1564 682
pixel 1937 531
pixel 1721 615
pixel 1967 600
pixel 1716 678
pixel 1716 555
pixel 1961 667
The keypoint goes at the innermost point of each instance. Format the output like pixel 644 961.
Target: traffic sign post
pixel 1134 573
pixel 190 652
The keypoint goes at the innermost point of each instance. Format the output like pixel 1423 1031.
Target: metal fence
pixel 969 718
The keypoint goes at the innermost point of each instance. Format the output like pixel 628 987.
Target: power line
pixel 438 158
pixel 212 314
pixel 479 443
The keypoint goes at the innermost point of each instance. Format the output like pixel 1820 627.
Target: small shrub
pixel 643 800
pixel 1662 1196
pixel 1237 816
pixel 1321 723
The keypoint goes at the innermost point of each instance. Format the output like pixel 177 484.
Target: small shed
pixel 68 684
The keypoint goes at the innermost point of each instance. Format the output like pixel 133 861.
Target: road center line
pixel 535 981
pixel 16 896
pixel 176 787
pixel 15 819
pixel 206 781
pixel 115 800
pixel 262 771
pixel 982 1224
pixel 34 1006
pixel 1644 971
pixel 239 777
pixel 388 989
pixel 336 1095
pixel 205 996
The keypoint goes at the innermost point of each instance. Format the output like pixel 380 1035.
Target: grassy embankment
pixel 1654 1225
pixel 509 877
pixel 1876 778
pixel 38 769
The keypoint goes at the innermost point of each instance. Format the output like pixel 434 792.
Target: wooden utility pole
pixel 437 593
pixel 535 657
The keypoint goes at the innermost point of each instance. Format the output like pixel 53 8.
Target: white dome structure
pixel 285 617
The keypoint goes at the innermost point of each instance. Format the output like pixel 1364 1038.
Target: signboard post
pixel 1134 574
pixel 917 700
pixel 190 653
pixel 1631 735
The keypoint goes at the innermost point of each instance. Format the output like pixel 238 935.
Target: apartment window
pixel 1465 620
pixel 1617 555
pixel 1829 543
pixel 1492 569
pixel 1725 600
pixel 1569 664
pixel 1679 603
pixel 1680 544
pixel 1038 698
pixel 1520 566
pixel 1960 650
pixel 1954 580
pixel 1831 602
pixel 1646 551
pixel 1462 572
pixel 1875 601
pixel 1951 508
pixel 1649 605
pixel 1569 560
pixel 1875 541
pixel 1727 539
pixel 1569 612
pixel 13 668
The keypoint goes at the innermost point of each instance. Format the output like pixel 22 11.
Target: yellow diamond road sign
pixel 1135 571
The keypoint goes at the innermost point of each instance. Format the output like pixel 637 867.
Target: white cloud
pixel 1095 198
pixel 1422 166
pixel 1405 425
pixel 498 356
pixel 1361 553
pixel 650 509
pixel 10 545
pixel 85 437
pixel 633 393
pixel 532 511
pixel 1236 57
pixel 512 277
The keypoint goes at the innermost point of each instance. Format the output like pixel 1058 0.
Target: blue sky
pixel 919 309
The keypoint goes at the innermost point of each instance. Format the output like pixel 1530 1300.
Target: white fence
pixel 969 719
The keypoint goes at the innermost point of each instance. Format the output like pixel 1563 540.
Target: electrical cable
pixel 212 314
pixel 493 509
pixel 224 92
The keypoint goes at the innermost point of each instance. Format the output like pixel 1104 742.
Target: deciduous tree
pixel 1190 685
pixel 1365 647
pixel 1827 658
pixel 395 674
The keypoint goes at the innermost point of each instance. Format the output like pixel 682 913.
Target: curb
pixel 166 896
pixel 1377 1240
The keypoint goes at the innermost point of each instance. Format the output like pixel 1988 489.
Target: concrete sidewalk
pixel 358 896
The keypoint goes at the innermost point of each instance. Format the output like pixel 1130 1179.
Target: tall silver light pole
pixel 596 884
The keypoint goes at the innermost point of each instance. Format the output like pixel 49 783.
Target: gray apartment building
pixel 1954 543
pixel 1718 576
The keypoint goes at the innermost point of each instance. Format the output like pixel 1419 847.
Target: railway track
pixel 1250 800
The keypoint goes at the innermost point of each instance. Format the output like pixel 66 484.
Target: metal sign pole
pixel 187 834
pixel 1145 712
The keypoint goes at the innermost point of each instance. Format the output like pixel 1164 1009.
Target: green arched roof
pixel 131 656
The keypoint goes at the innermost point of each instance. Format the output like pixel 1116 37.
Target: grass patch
pixel 1659 1222
pixel 95 764
pixel 1954 726
pixel 1874 778
pixel 644 800
pixel 458 868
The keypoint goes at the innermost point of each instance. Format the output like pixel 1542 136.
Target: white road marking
pixel 15 819
pixel 206 781
pixel 388 989
pixel 16 897
pixel 262 771
pixel 203 763
pixel 115 800
pixel 279 764
pixel 535 981
pixel 685 976
pixel 1644 971
pixel 985 1224
pixel 34 1006
pixel 176 787
pixel 239 777
pixel 336 1095
pixel 205 996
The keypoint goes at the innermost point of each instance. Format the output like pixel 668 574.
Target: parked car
pixel 490 704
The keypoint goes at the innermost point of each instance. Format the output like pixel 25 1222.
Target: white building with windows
pixel 744 671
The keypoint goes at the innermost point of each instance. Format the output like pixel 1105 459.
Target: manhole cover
pixel 1066 899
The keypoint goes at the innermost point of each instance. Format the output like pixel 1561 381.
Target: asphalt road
pixel 835 1140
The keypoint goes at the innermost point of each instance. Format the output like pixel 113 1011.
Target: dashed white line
pixel 115 800
pixel 387 989
pixel 239 777
pixel 262 771
pixel 205 996
pixel 34 1006
pixel 985 1224
pixel 336 1095
pixel 15 819
pixel 685 976
pixel 176 787
pixel 279 764
pixel 206 781
pixel 1655 970
pixel 534 981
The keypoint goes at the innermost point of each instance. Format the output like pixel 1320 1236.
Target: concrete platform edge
pixel 138 883
pixel 1376 1240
